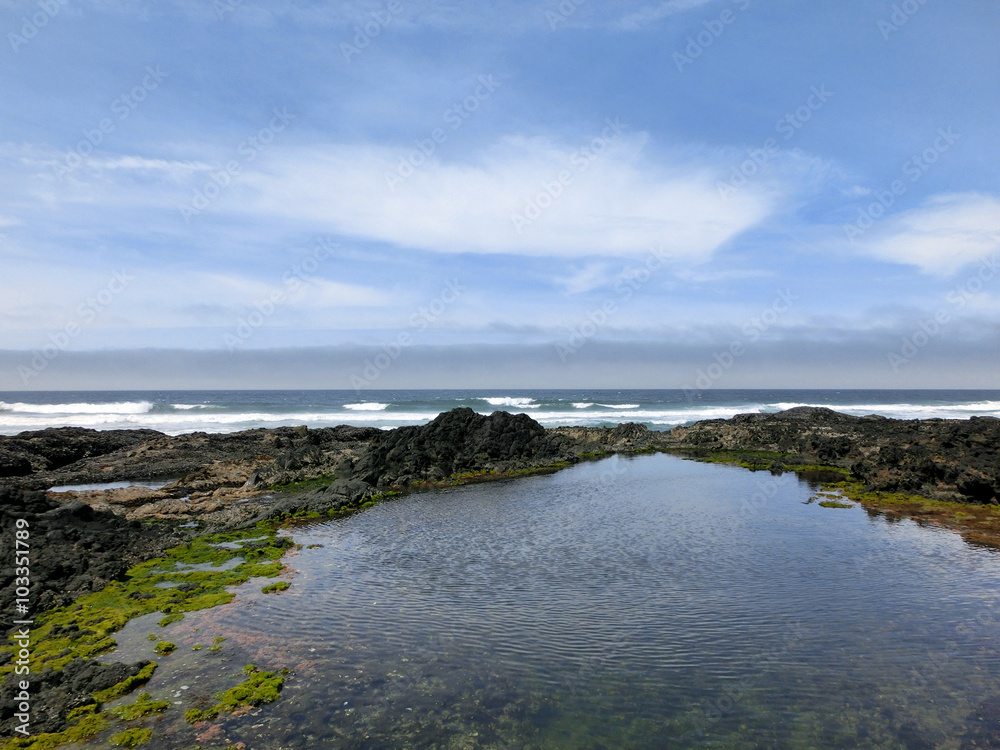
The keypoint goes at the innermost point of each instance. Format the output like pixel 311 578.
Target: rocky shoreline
pixel 212 483
pixel 82 540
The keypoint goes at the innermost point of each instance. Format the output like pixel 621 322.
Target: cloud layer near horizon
pixel 552 162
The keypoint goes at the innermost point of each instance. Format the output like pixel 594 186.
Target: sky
pixel 745 193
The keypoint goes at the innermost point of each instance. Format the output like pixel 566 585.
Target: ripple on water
pixel 674 603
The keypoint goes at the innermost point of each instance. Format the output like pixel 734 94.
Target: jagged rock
pixel 83 549
pixel 56 693
pixel 943 459
pixel 460 441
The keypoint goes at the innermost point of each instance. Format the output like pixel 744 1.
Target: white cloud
pixel 620 203
pixel 945 234
pixel 584 279
pixel 653 13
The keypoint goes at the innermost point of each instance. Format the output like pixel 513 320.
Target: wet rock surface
pixel 80 541
pixel 72 548
pixel 51 449
pixel 954 460
pixel 84 539
pixel 57 692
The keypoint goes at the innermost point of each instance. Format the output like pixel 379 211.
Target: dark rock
pixel 460 441
pixel 73 549
pixel 954 460
pixel 55 693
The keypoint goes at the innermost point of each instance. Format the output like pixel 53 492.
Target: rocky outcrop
pixel 57 692
pixel 461 441
pixel 72 548
pixel 941 459
pixel 53 448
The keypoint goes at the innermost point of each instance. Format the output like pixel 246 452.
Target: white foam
pixel 18 417
pixel 512 401
pixel 187 407
pixel 122 407
pixel 176 423
pixel 908 411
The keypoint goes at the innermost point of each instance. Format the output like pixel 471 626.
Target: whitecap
pixel 516 402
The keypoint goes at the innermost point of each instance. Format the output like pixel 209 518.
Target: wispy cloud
pixel 621 203
pixel 652 14
pixel 944 234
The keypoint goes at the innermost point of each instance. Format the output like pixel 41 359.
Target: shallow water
pixel 109 486
pixel 651 602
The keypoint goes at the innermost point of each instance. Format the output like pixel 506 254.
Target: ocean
pixel 177 412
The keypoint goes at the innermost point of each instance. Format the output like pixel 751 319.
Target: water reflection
pixel 675 604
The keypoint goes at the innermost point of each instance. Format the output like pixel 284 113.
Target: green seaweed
pixel 84 628
pixel 259 688
pixel 86 728
pixel 165 647
pixel 274 588
pixel 834 504
pixel 127 685
pixel 144 706
pixel 131 737
pixel 304 485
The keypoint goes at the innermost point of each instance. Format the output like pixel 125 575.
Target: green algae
pixel 834 504
pixel 131 737
pixel 978 524
pixel 274 588
pixel 144 706
pixel 88 726
pixel 84 628
pixel 305 485
pixel 165 647
pixel 258 689
pixel 127 685
pixel 171 618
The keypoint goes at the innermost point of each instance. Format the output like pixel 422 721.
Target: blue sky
pixel 540 193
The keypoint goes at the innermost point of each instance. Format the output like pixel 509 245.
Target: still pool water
pixel 643 603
